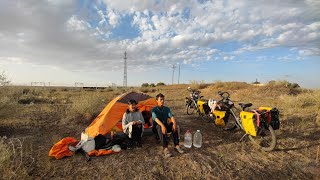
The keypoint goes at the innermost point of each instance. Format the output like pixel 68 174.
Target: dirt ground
pixel 222 156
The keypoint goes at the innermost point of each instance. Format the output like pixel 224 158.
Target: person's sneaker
pixel 130 146
pixel 167 153
pixel 179 150
pixel 138 144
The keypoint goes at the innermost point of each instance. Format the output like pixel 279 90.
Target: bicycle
pixel 195 103
pixel 258 124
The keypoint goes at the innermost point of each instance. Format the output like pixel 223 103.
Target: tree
pixel 144 85
pixel 160 84
pixel 4 79
pixel 152 85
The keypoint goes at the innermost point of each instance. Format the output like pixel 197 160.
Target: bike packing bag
pixel 206 108
pixel 219 121
pixel 275 121
pixel 247 122
pixel 273 118
pixel 200 104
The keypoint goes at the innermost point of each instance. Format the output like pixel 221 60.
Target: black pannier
pixel 206 108
pixel 275 120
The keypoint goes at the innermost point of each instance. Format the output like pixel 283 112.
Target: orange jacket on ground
pixel 60 149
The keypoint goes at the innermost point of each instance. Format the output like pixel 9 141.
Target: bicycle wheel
pixel 231 124
pixel 266 139
pixel 205 117
pixel 210 118
pixel 190 109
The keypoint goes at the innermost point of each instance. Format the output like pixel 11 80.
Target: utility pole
pixel 179 74
pixel 173 67
pixel 125 70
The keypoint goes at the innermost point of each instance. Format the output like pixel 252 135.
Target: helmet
pixel 211 102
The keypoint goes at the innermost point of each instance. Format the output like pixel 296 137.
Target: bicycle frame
pixel 194 97
pixel 237 119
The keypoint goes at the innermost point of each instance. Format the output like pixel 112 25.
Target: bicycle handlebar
pixel 222 93
pixel 193 91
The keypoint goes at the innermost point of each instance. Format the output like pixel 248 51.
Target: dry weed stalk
pixel 317 158
pixel 12 142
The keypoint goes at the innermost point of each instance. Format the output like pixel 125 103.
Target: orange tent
pixel 111 116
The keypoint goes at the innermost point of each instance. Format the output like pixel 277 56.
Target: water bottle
pixel 187 139
pixel 197 139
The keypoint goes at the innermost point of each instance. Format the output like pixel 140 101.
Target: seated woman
pixel 132 124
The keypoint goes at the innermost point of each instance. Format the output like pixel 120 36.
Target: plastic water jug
pixel 187 139
pixel 197 139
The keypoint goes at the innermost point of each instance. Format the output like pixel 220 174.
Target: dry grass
pixel 33 128
pixel 12 159
pixel 198 84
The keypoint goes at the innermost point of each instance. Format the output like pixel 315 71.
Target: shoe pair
pixel 167 153
pixel 131 145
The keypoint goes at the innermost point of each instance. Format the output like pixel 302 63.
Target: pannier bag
pixel 275 120
pixel 219 121
pixel 273 117
pixel 247 122
pixel 200 104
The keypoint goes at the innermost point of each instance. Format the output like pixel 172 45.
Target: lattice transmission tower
pixel 125 70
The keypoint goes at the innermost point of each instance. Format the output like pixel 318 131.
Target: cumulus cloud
pixel 79 35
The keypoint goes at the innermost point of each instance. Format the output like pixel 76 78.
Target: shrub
pixel 145 85
pixel 4 79
pixel 86 103
pixel 11 159
pixel 294 85
pixel 284 84
pixel 160 84
pixel 144 90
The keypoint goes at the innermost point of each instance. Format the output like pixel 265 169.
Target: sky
pixel 63 42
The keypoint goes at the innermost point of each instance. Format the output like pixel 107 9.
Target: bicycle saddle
pixel 245 105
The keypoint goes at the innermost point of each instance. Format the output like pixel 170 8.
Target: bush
pixel 11 159
pixel 294 85
pixel 160 84
pixel 145 90
pixel 284 83
pixel 145 85
pixel 5 154
pixel 88 103
pixel 4 79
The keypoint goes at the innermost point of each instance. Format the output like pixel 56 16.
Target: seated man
pixel 132 124
pixel 161 124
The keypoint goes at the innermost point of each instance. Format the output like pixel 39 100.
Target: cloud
pixel 78 35
pixel 75 24
pixel 310 52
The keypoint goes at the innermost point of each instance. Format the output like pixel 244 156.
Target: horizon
pixel 69 41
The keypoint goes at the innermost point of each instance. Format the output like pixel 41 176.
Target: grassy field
pixel 32 119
